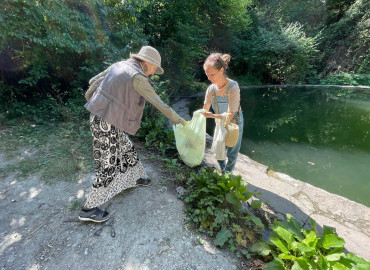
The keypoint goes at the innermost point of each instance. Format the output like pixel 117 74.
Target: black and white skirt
pixel 116 163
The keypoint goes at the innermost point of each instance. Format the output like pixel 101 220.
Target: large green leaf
pixel 322 262
pixel 313 225
pixel 284 234
pixel 334 257
pixel 239 196
pixel 306 250
pixel 223 186
pixel 232 183
pixel 356 259
pixel 275 265
pixel 261 248
pixel 332 240
pixel 239 179
pixel 231 198
pixel 339 266
pixel 242 189
pixel 346 262
pixel 222 236
pixel 279 244
pixel 257 221
pixel 310 239
pixel 358 262
pixel 286 256
pixel 300 264
pixel 328 230
pixel 256 204
pixel 361 266
pixel 294 226
pixel 248 195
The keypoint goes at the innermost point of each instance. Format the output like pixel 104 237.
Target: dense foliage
pixel 217 205
pixel 51 48
pixel 187 31
pixel 346 38
pixel 54 47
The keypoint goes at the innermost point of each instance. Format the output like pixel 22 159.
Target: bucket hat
pixel 150 55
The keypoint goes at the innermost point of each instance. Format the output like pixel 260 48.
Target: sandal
pixel 143 182
pixel 94 214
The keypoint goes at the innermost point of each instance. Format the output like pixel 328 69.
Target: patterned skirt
pixel 116 163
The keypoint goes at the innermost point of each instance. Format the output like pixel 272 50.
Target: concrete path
pixel 39 228
pixel 287 195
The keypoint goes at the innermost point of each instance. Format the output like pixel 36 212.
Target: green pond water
pixel 317 135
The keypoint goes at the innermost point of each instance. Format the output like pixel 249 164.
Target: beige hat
pixel 150 55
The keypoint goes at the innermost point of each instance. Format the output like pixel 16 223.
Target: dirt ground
pixel 39 228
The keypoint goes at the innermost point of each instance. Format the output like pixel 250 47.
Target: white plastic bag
pixel 191 139
pixel 218 145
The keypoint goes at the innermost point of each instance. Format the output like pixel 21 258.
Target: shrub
pixel 155 127
pixel 292 247
pixel 215 206
pixel 347 79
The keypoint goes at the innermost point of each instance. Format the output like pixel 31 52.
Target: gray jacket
pixel 116 101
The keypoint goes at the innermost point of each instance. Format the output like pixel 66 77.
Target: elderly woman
pixel 116 110
pixel 227 93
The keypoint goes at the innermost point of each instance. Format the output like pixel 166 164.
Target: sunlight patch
pixel 80 194
pixel 209 248
pixel 20 221
pixel 34 192
pixel 34 267
pixel 9 240
pixel 134 266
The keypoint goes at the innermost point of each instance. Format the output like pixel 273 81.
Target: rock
pixel 180 190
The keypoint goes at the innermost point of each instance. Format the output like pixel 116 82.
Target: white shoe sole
pixel 93 220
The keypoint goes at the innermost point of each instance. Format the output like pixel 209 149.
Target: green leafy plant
pixel 292 247
pixel 75 205
pixel 215 206
pixel 90 33
pixel 155 128
pixel 155 133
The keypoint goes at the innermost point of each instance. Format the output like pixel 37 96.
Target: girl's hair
pixel 218 61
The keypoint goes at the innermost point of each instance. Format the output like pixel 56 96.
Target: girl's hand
pixel 208 115
pixel 211 115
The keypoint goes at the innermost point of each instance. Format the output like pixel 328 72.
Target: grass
pixel 56 152
pixel 61 151
pixel 75 205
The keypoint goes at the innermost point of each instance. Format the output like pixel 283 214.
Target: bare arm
pixel 209 114
pixel 207 106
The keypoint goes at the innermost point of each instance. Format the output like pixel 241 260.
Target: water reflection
pixel 314 116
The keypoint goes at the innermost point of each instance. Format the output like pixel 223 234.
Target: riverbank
pixel 287 195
